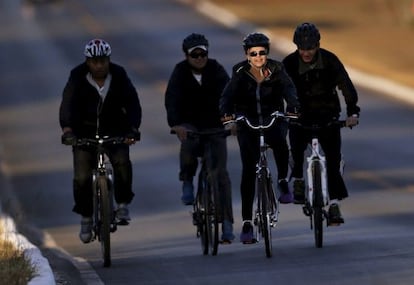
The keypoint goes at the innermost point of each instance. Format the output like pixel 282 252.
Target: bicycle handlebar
pixel 99 141
pixel 274 116
pixel 208 133
pixel 340 123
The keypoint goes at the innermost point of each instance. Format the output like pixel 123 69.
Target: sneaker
pixel 334 216
pixel 246 236
pixel 299 191
pixel 85 233
pixel 286 197
pixel 188 193
pixel 227 227
pixel 122 214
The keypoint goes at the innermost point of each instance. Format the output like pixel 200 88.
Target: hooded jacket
pixel 189 102
pixel 243 92
pixel 316 85
pixel 83 109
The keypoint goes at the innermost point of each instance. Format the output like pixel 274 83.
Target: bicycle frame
pixel 267 206
pixel 316 157
pixel 104 221
pixel 207 213
pixel 317 194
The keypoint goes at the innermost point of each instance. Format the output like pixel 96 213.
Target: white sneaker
pixel 85 233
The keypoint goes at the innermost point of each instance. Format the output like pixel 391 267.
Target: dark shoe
pixel 85 233
pixel 122 215
pixel 286 196
pixel 188 193
pixel 299 191
pixel 227 237
pixel 334 216
pixel 246 236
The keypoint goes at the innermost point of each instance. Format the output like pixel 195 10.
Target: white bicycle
pixel 316 194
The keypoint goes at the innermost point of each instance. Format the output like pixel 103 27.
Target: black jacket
pixel 316 86
pixel 239 96
pixel 82 107
pixel 188 102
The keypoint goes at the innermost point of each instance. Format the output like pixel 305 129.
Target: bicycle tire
pixel 317 204
pixel 105 220
pixel 212 216
pixel 201 213
pixel 264 213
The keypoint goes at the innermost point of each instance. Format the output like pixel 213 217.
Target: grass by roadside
pixel 15 269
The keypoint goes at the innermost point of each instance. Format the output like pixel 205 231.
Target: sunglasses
pixel 198 54
pixel 260 53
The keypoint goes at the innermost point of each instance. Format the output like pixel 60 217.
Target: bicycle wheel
pixel 317 204
pixel 263 184
pixel 201 213
pixel 105 220
pixel 212 216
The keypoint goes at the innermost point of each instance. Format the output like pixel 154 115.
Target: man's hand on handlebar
pixel 352 121
pixel 230 124
pixel 181 132
pixel 132 137
pixel 68 138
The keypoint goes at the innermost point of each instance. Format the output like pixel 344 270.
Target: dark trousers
pixel 84 161
pixel 330 141
pixel 249 143
pixel 190 151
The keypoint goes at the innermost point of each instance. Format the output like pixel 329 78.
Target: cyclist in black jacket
pixel 192 103
pixel 259 86
pixel 317 73
pixel 99 98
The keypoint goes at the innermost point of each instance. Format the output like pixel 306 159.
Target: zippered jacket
pixel 83 110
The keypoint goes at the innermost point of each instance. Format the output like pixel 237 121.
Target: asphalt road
pixel 40 44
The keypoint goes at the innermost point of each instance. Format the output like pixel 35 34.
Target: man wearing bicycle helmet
pixel 259 86
pixel 99 98
pixel 191 100
pixel 317 73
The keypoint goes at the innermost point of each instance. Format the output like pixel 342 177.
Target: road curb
pixel 43 271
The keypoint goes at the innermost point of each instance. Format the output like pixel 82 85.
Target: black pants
pixel 190 150
pixel 84 161
pixel 330 141
pixel 248 140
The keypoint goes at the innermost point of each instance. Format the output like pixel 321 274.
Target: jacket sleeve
pixel 347 88
pixel 65 110
pixel 173 99
pixel 289 91
pixel 227 98
pixel 133 105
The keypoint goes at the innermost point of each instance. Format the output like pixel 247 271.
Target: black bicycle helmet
pixel 96 48
pixel 306 36
pixel 194 40
pixel 256 40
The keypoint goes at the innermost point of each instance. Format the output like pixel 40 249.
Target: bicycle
pixel 267 204
pixel 316 194
pixel 207 213
pixel 104 216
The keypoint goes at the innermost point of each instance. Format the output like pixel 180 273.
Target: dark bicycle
pixel 317 195
pixel 104 216
pixel 207 213
pixel 267 204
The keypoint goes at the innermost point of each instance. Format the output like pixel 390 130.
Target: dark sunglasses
pixel 260 53
pixel 198 54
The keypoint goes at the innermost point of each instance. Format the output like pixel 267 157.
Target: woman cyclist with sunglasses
pixel 259 86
